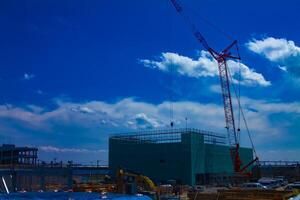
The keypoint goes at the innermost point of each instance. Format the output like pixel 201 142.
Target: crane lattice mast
pixel 221 58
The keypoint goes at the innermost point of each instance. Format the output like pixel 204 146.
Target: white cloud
pixel 131 114
pixel 142 121
pixel 283 68
pixel 34 108
pixel 274 49
pixel 68 150
pixel 204 66
pixel 27 76
pixel 215 89
pixel 281 51
pixel 94 120
pixel 77 155
pixel 82 109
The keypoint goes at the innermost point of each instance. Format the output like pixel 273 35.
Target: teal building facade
pixel 188 156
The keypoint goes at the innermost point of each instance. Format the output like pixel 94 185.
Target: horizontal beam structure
pixel 278 163
pixel 168 136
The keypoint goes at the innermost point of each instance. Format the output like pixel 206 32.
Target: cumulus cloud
pixel 131 114
pixel 142 121
pixel 274 49
pixel 82 109
pixel 27 76
pixel 278 50
pixel 204 66
pixel 90 123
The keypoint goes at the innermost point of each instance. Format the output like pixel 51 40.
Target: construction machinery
pixel 132 183
pixel 224 75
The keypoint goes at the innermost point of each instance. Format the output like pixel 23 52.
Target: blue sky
pixel 72 72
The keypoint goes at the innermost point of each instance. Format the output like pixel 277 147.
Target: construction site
pixel 189 156
pixel 171 163
pixel 197 164
pixel 161 164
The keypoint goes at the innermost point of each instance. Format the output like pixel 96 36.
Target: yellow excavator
pixel 133 183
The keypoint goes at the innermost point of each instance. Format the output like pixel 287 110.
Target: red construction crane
pixel 221 58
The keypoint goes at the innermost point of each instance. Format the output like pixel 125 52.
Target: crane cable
pixel 241 111
pixel 171 97
pixel 171 76
pixel 212 25
pixel 204 43
pixel 239 92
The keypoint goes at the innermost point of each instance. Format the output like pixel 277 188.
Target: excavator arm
pixel 141 181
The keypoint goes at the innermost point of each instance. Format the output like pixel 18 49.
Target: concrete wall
pixel 181 161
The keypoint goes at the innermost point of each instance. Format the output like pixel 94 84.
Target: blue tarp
pixel 71 196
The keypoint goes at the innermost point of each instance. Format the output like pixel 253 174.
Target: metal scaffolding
pixel 12 155
pixel 168 136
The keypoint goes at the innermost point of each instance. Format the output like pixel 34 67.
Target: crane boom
pixel 195 32
pixel 221 58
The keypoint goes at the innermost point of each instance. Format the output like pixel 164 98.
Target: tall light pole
pixel 186 119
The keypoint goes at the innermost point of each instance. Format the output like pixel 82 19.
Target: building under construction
pixel 189 156
pixel 12 155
